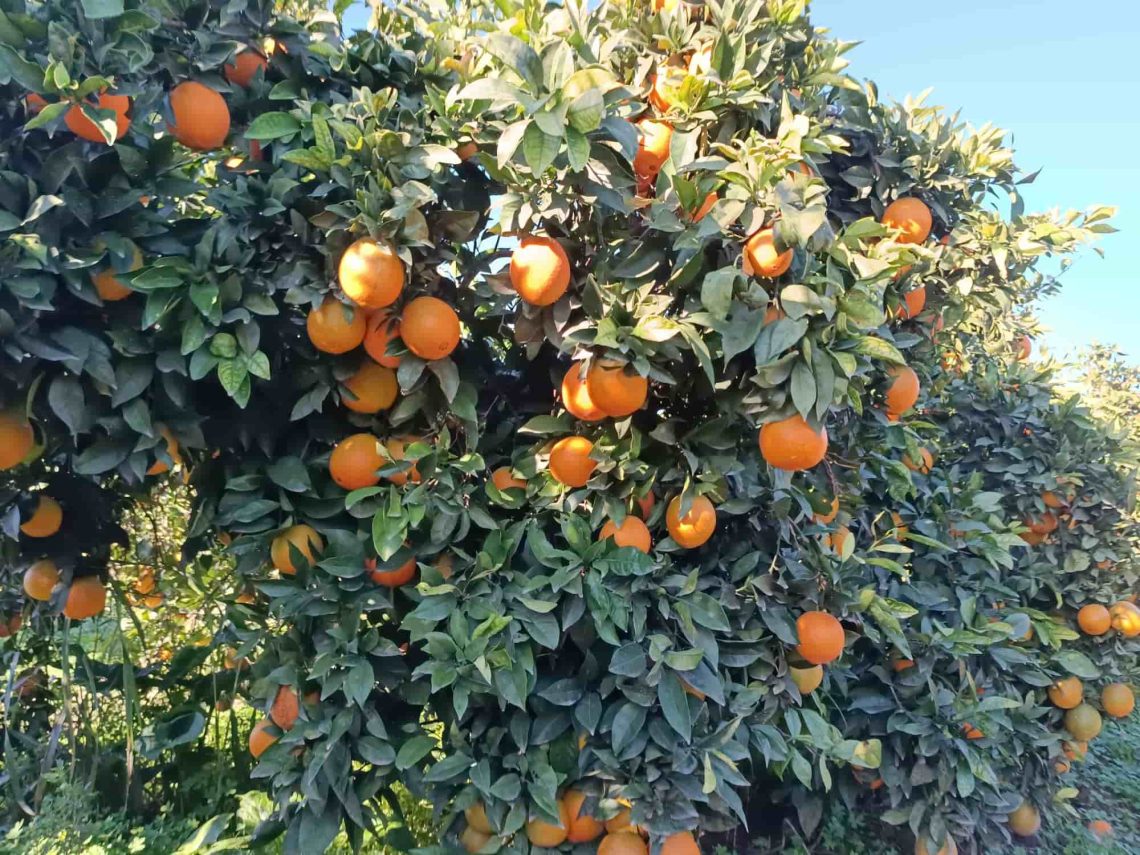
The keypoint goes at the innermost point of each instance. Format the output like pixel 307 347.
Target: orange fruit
pixel 354 461
pixel 241 71
pixel 1061 767
pixel 792 444
pixel 476 817
pixel 570 461
pixel 580 829
pixel 86 598
pixel 45 519
pixel 924 463
pixel 429 328
pixel 109 286
pixel 761 257
pixel 576 396
pixel 623 821
pixel 83 127
pixel 504 479
pixel 1118 700
pixel 159 466
pixel 1094 619
pixel 901 531
pixel 16 439
pixel 201 119
pixel 540 270
pixel 1023 349
pixel 632 532
pixel 260 737
pixel 40 579
pixel 1083 722
pixel 302 537
pixel 1052 500
pixel 773 313
pixel 1044 524
pixel 1100 828
pixel 473 840
pixel 646 504
pixel 665 5
pixel 653 141
pixel 371 274
pixel 467 150
pixel 1126 618
pixel 396 577
pixel 382 328
pixel 1066 693
pixel 948 848
pixel 911 217
pixel 706 206
pixel 285 708
pixel 681 843
pixel 335 327
pixel 695 527
pixel 541 833
pixel 395 447
pixel 821 637
pixel 616 391
pixel 371 389
pixel 1025 821
pixel 622 843
pixel 913 303
pixel 665 83
pixel 1075 749
pixel 900 665
pixel 829 517
pixel 837 540
pixel 35 103
pixel 903 389
pixel 971 732
pixel 807 680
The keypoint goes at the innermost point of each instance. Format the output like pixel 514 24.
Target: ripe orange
pixel 1094 619
pixel 1052 500
pixel 45 519
pixel 395 447
pixel 681 843
pixel 1075 749
pixel 829 517
pixel 900 665
pixel 792 444
pixel 665 83
pixel 706 206
pixel 576 396
pixel 285 708
pixel 632 532
pixel 1062 767
pixel 302 537
pixel 570 461
pixel 1025 821
pixel 335 327
pixel 911 217
pixel 16 439
pixel 109 286
pixel 616 391
pixel 371 389
pixel 541 833
pixel 159 466
pixel 260 737
pixel 1126 618
pixel 1044 524
pixel 1083 722
pixel 354 461
pixel 1100 829
pixel 467 150
pixel 85 598
pixel 382 328
pixel 665 5
pixel 1066 693
pixel 473 840
pixel 761 257
pixel 396 577
pixel 653 141
pixel 241 71
pixel 622 843
pixel 504 479
pixel 476 817
pixel 695 527
pixel 35 103
pixel 371 274
pixel 540 270
pixel 913 303
pixel 948 848
pixel 971 732
pixel 201 119
pixel 821 637
pixel 40 579
pixel 807 680
pixel 623 821
pixel 1023 349
pixel 83 127
pixel 903 389
pixel 429 328
pixel 1118 700
pixel 924 463
pixel 580 829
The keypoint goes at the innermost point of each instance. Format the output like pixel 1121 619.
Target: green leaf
pixel 628 661
pixel 519 57
pixel 1077 663
pixel 627 724
pixel 413 751
pixel 577 150
pixel 48 114
pixel 323 137
pixel 272 126
pixel 585 112
pixel 716 292
pixel 777 337
pixel 803 388
pixel 878 348
pixel 290 474
pixel 539 148
pixel 675 705
pixel 206 834
pixel 95 9
pixel 68 401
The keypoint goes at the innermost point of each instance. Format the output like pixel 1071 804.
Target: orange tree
pixel 610 413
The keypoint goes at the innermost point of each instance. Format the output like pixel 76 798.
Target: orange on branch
pixel 285 708
pixel 40 580
pixel 261 737
pixel 371 389
pixel 109 286
pixel 903 389
pixel 472 840
pixel 429 328
pixel 382 329
pixel 1083 722
pixel 1094 619
pixel 45 519
pixel 371 273
pixel 696 526
pixel 632 532
pixel 792 444
pixel 86 598
pixel 761 258
pixel 86 129
pixel 615 388
pixel 245 65
pixel 570 461
pixel 1118 700
pixel 681 843
pixel 911 217
pixel 576 396
pixel 1126 618
pixel 504 479
pixel 542 833
pixel 580 828
pixel 355 460
pixel 924 463
pixel 807 680
pixel 1025 821
pixel 17 438
pixel 913 303
pixel 335 327
pixel 622 843
pixel 396 447
pixel 302 537
pixel 396 577
pixel 476 816
pixel 201 119
pixel 654 139
pixel 821 637
pixel 540 270
pixel 1066 693
pixel 1100 829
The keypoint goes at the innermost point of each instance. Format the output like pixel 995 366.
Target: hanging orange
pixel 201 119
pixel 761 258
pixel 83 127
pixel 382 329
pixel 1094 619
pixel 632 532
pixel 1025 821
pixel 792 444
pixel 371 389
pixel 40 579
pixel 245 65
pixel 285 708
pixel 580 829
pixel 540 270
pixel 17 438
pixel 1066 693
pixel 335 327
pixel 371 274
pixel 570 461
pixel 304 538
pixel 1118 700
pixel 86 598
pixel 504 479
pixel 109 286
pixel 695 527
pixel 1126 618
pixel 902 392
pixel 622 843
pixel 261 737
pixel 618 392
pixel 911 217
pixel 429 328
pixel 913 303
pixel 395 446
pixel 396 577
pixel 681 843
pixel 576 396
pixel 45 519
pixel 821 637
pixel 354 461
pixel 924 463
pixel 653 142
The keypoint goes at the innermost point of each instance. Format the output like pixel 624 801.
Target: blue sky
pixel 1064 80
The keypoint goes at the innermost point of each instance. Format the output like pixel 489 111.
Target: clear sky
pixel 1064 79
